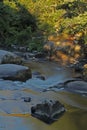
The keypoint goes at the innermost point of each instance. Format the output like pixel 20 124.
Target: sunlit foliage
pixel 21 20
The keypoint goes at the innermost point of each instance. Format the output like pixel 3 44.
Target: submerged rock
pixel 14 72
pixel 9 57
pixel 48 111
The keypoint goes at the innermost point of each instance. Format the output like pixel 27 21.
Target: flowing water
pixel 15 113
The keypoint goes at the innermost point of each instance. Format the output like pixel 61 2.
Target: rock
pixel 57 87
pixel 14 72
pixel 9 57
pixel 27 99
pixel 77 86
pixel 48 111
pixel 38 75
pixel 28 55
pixel 39 55
pixel 78 67
pixel 84 73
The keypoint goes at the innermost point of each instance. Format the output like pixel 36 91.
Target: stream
pixel 15 113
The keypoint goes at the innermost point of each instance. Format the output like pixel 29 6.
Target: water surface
pixel 15 113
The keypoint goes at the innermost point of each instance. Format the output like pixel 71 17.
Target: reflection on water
pixel 50 69
pixel 53 73
pixel 75 117
pixel 75 120
pixel 70 121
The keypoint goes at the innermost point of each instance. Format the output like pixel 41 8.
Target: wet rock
pixel 34 55
pixel 9 57
pixel 38 75
pixel 57 87
pixel 48 111
pixel 28 55
pixel 76 86
pixel 14 72
pixel 41 77
pixel 27 99
pixel 39 55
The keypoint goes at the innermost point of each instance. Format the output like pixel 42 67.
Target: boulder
pixel 14 72
pixel 77 86
pixel 9 57
pixel 48 111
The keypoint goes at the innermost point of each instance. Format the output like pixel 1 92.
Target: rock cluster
pixel 9 68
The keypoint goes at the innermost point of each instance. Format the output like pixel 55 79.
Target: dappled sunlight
pixel 63 48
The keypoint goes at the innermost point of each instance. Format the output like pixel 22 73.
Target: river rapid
pixel 15 113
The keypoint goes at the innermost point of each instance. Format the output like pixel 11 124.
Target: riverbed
pixel 15 114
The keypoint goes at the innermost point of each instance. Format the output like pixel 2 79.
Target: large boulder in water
pixel 48 111
pixel 14 72
pixel 9 57
pixel 77 87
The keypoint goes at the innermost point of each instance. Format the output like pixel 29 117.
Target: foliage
pixel 16 23
pixel 74 20
pixel 21 20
